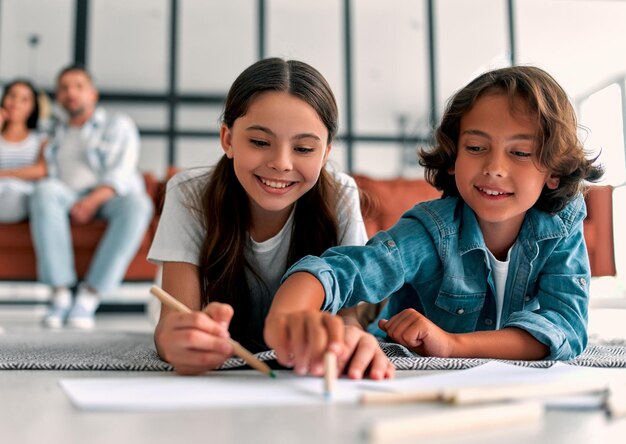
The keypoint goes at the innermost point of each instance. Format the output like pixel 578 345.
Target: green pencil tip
pixel 272 374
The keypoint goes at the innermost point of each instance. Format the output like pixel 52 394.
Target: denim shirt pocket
pixel 458 313
pixel 531 302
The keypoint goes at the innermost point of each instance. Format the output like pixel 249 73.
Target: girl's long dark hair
pixel 224 204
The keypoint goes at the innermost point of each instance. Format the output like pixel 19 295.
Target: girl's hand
pixel 195 342
pixel 301 338
pixel 418 333
pixel 364 353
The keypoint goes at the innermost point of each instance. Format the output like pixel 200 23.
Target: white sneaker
pixel 55 317
pixel 60 303
pixel 82 318
pixel 82 314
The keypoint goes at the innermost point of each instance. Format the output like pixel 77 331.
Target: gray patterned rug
pixel 129 351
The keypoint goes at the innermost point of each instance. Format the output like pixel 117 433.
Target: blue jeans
pixel 14 195
pixel 128 217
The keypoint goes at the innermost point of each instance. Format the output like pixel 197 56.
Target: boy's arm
pixel 415 331
pixel 297 330
pixel 508 343
pixel 301 291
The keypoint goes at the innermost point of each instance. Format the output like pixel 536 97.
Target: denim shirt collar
pixel 97 119
pixel 536 227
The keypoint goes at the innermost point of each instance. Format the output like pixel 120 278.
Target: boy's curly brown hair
pixel 560 150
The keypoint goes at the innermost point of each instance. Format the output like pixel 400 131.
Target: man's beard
pixel 76 112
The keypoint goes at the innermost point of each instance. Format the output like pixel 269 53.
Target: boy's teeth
pixel 491 193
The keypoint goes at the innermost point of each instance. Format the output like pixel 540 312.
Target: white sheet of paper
pixel 491 373
pixel 250 389
pixel 217 389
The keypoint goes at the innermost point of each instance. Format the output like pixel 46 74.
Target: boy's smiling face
pixel 496 168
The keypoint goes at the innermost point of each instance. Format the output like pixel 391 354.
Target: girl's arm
pixel 192 342
pixel 31 172
pixel 364 353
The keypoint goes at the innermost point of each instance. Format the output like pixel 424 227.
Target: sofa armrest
pixel 598 228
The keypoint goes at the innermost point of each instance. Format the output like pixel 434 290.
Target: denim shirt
pixel 435 261
pixel 111 148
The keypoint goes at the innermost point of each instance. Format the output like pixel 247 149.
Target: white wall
pixel 581 43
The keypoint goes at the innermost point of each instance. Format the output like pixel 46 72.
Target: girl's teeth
pixel 273 184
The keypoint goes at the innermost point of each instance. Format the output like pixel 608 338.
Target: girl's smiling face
pixel 278 147
pixel 496 169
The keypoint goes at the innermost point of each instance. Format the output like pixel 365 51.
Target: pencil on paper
pixel 616 401
pixel 483 394
pixel 455 421
pixel 401 397
pixel 238 349
pixel 330 374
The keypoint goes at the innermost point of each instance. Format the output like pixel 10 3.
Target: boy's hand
pixel 415 331
pixel 195 342
pixel 301 338
pixel 364 353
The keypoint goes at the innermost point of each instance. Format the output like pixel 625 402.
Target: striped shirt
pixel 19 154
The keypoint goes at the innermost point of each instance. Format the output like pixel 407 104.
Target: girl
pixel 226 236
pixel 21 149
pixel 498 267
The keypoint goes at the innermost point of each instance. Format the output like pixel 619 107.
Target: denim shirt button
pixel 488 321
pixel 526 298
pixel 582 282
pixel 460 311
pixel 391 243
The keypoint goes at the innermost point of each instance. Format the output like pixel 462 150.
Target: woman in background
pixel 21 149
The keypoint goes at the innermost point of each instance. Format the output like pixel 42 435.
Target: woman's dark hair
pixel 33 118
pixel 224 204
pixel 560 150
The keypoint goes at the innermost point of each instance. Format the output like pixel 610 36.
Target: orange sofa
pixel 17 256
pixel 384 201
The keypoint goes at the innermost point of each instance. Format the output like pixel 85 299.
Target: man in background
pixel 92 160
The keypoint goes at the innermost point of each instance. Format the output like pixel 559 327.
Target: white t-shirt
pixel 74 169
pixel 180 234
pixel 500 271
pixel 19 154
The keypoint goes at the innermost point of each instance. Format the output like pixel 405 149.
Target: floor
pixel 24 304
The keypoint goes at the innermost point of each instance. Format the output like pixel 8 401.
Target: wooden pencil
pixel 238 349
pixel 518 392
pixel 455 420
pixel 330 374
pixel 401 397
pixel 483 394
pixel 616 401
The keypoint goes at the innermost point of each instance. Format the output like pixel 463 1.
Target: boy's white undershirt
pixel 500 271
